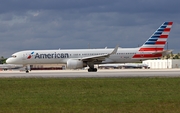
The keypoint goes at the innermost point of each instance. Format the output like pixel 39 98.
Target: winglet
pixel 115 49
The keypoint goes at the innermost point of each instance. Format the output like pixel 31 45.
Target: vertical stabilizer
pixel 158 39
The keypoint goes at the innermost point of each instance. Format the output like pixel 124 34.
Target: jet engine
pixel 75 64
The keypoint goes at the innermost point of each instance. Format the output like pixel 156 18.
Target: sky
pixel 82 24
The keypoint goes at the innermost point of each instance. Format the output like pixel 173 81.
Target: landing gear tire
pixel 92 70
pixel 27 71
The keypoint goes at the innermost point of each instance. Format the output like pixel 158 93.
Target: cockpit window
pixel 14 56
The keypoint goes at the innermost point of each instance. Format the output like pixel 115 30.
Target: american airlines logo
pixel 29 57
pixel 51 55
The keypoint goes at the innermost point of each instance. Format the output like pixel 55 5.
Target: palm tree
pixel 176 57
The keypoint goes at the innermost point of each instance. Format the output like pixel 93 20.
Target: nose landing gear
pixel 27 68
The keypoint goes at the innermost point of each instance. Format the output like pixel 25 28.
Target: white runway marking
pixel 100 73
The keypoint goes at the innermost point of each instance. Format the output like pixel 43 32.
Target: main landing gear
pixel 92 70
pixel 91 67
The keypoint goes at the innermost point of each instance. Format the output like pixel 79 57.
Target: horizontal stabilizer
pixel 166 52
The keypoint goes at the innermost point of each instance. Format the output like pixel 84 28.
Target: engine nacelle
pixel 75 64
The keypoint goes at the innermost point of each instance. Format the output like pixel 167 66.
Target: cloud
pixel 75 24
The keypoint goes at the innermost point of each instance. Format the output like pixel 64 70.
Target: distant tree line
pixel 2 60
pixel 171 56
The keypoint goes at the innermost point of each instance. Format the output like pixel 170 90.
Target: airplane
pixel 80 58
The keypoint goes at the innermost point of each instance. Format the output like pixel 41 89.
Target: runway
pixel 100 73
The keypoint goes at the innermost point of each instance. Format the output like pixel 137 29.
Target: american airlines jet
pixel 79 58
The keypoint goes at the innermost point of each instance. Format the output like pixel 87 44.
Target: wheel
pixel 27 71
pixel 95 69
pixel 92 70
pixel 89 70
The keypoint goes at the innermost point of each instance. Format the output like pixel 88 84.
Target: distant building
pixel 47 67
pixel 163 64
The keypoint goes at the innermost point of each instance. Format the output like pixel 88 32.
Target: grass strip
pixel 92 95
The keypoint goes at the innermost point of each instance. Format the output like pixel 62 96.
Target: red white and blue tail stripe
pixel 158 39
pixel 156 42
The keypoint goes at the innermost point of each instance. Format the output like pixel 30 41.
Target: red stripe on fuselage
pixel 147 55
pixel 151 49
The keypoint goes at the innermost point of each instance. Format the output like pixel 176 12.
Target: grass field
pixel 92 95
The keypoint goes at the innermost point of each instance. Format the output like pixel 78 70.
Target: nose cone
pixel 11 61
pixel 8 61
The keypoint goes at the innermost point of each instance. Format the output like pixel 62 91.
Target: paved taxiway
pixel 100 73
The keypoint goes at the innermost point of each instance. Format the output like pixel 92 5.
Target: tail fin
pixel 158 39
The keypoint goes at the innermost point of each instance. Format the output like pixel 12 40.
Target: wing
pixel 99 58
